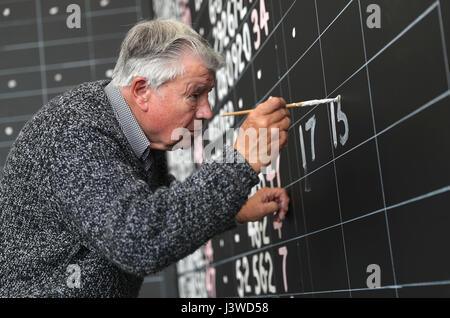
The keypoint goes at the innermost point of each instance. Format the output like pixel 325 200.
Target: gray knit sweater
pixel 74 193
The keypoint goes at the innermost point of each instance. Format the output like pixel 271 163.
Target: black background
pixel 382 197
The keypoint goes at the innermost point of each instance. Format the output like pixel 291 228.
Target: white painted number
pixel 341 117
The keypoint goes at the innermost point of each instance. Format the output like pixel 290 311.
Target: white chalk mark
pixel 333 125
pixel 9 131
pixel 104 3
pixel 240 103
pixel 58 77
pixel 109 73
pixel 259 74
pixel 221 243
pixel 237 238
pixel 294 33
pixel 53 10
pixel 311 125
pixel 225 279
pixel 315 102
pixel 6 12
pixel 342 117
pixel 12 84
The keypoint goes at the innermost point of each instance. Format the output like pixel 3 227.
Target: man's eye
pixel 194 96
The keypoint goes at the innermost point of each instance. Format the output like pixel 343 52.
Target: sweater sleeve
pixel 104 202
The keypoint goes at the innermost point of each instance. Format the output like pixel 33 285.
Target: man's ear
pixel 141 93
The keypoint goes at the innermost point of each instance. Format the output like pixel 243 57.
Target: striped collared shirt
pixel 130 127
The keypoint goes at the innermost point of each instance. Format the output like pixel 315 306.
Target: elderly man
pixel 86 186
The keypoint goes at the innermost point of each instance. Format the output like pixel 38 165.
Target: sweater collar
pixel 130 127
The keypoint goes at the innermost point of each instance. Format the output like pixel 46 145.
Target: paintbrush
pixel 313 102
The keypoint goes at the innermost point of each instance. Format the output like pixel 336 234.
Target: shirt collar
pixel 130 127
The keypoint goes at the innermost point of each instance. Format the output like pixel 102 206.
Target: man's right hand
pixel 271 114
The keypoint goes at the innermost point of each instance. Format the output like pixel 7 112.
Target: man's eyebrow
pixel 200 87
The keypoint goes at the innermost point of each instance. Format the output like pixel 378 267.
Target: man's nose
pixel 204 111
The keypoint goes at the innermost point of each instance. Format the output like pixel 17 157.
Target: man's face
pixel 179 103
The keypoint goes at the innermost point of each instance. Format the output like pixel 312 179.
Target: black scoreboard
pixel 368 178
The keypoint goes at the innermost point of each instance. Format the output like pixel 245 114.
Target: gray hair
pixel 153 49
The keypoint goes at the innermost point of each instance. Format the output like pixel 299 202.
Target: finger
pixel 279 217
pixel 284 201
pixel 271 105
pixel 270 207
pixel 282 124
pixel 277 116
pixel 279 141
pixel 284 135
pixel 269 194
pixel 279 195
pixel 285 123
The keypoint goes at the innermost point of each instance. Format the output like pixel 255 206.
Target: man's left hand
pixel 266 201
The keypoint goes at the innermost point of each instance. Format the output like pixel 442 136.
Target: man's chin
pixel 181 144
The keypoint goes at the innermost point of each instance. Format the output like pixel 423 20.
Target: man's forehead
pixel 201 80
pixel 202 74
pixel 196 67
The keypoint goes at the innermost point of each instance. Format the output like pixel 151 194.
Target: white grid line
pixel 35 92
pixel 58 66
pixel 91 14
pixel 435 100
pixel 409 27
pixel 2 2
pixel 444 44
pixel 251 62
pixel 58 42
pixel 6 144
pixel 41 52
pixel 308 49
pixel 15 119
pixel 89 39
pixel 388 231
pixel 332 151
pixel 238 30
pixel 296 238
pixel 199 15
pixel 422 284
pixel 280 61
pixel 290 172
pixel 420 109
pixel 384 209
pixel 138 10
pixel 417 111
pixel 299 59
pixel 260 50
pixel 153 279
